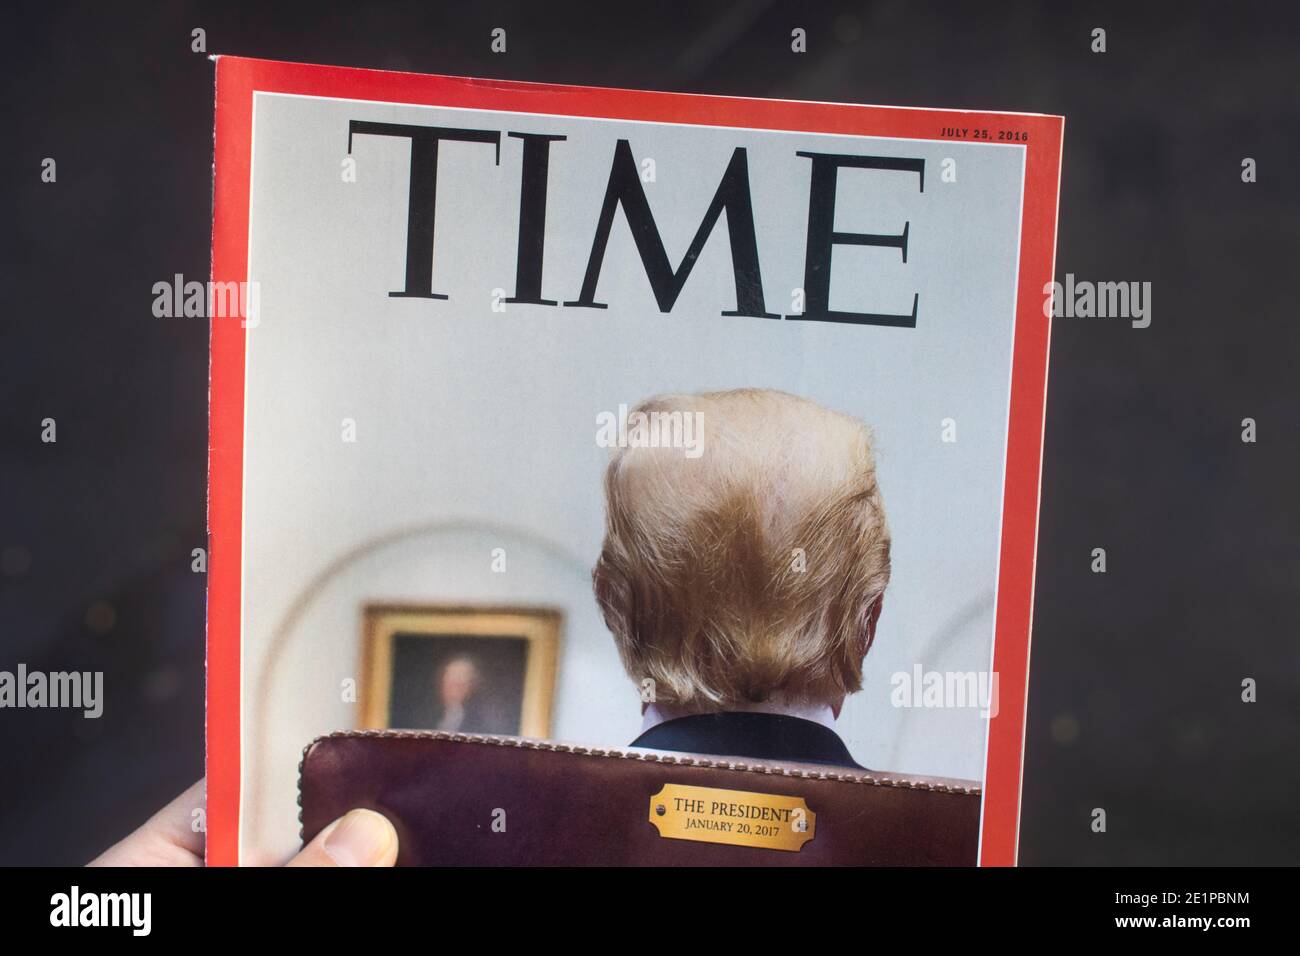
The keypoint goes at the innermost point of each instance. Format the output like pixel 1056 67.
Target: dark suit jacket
pixel 761 736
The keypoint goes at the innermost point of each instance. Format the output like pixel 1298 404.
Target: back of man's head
pixel 751 572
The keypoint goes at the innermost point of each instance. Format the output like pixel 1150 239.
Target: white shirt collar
pixel 818 713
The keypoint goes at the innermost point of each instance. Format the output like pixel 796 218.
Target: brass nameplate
pixel 737 817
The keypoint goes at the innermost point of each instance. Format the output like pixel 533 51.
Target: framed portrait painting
pixel 476 670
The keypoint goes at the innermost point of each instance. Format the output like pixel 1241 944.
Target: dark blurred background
pixel 1135 696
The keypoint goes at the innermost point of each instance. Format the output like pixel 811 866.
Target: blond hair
pixel 753 571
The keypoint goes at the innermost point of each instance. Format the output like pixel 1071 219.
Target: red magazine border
pixel 236 80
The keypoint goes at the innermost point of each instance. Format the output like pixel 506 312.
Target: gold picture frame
pixel 519 645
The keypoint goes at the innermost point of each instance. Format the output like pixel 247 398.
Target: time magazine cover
pixel 626 440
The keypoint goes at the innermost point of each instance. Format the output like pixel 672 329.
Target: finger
pixel 171 837
pixel 358 838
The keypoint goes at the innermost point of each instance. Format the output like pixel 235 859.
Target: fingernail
pixel 361 838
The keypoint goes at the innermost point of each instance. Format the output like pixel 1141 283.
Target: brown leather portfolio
pixel 475 800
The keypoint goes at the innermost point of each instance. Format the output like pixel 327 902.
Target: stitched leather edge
pixel 659 757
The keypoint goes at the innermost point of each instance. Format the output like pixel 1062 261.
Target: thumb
pixel 358 838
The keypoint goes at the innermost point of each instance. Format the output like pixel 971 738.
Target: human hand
pixel 169 838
